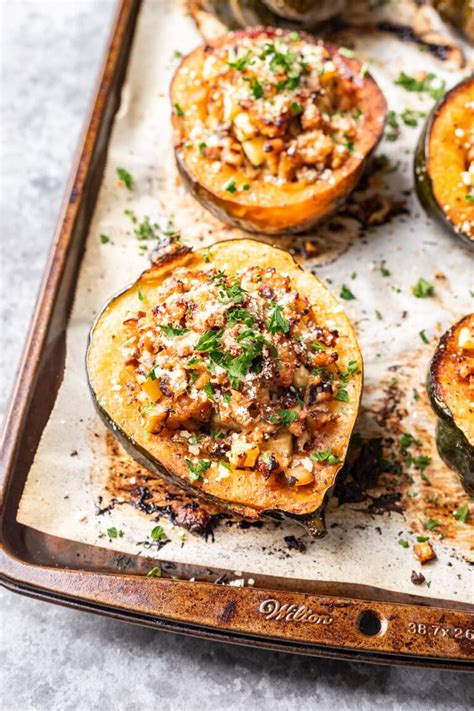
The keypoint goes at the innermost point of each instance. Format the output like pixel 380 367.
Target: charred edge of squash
pixel 423 182
pixel 313 522
pixel 224 209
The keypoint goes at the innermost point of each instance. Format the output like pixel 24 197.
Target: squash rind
pixel 452 443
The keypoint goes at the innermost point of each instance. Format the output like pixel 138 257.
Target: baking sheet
pixel 71 465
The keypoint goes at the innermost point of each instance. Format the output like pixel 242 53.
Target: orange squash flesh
pixel 443 155
pixel 268 207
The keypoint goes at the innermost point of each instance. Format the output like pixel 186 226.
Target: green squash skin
pixel 423 183
pixel 453 446
pixel 314 523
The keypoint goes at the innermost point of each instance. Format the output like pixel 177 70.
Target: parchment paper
pixel 58 496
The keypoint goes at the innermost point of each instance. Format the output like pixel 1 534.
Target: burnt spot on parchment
pixel 394 465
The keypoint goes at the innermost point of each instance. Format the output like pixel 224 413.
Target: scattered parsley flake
pixel 114 532
pixel 422 289
pixel 172 331
pixel 287 417
pixel 402 542
pixel 431 524
pixel 104 239
pixel 469 198
pixel 140 294
pixel 125 177
pixel 179 111
pixel 430 84
pixel 209 390
pixel 196 471
pixel 346 293
pixel 230 186
pixel 154 572
pixel 157 533
pixel 326 456
pixel 462 513
pixel 423 336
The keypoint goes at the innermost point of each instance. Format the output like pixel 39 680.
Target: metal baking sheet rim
pixel 317 625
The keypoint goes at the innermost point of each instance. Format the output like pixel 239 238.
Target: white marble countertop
pixel 54 659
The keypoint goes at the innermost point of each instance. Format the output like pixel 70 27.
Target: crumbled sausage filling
pixel 280 108
pixel 237 369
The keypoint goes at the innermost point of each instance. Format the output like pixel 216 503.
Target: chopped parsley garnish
pixel 256 89
pixel 125 177
pixel 154 572
pixel 246 186
pixel 431 524
pixel 403 543
pixel 392 122
pixel 277 323
pixel 469 198
pixel 378 314
pixel 326 457
pixel 239 315
pixel 287 417
pixel 317 347
pixel 421 462
pixel 462 513
pixel 430 84
pixel 114 532
pixel 172 331
pixel 422 289
pixel 104 239
pixel 202 148
pixel 410 117
pixel 239 63
pixel 209 390
pixel 384 271
pixel 296 108
pixel 209 341
pixel 139 294
pixel 422 539
pixel 423 336
pixel 179 110
pixel 196 471
pixel 230 186
pixel 342 395
pixel 227 397
pixel 157 533
pixel 346 293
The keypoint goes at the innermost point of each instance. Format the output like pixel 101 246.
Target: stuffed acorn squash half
pixel 451 390
pixel 444 162
pixel 234 374
pixel 272 129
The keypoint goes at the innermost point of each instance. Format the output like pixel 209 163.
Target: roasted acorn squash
pixel 232 373
pixel 272 129
pixel 451 390
pixel 444 162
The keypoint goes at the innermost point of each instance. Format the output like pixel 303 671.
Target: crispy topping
pixel 238 369
pixel 279 107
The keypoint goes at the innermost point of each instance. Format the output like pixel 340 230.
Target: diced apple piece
pixel 253 149
pixel 243 127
